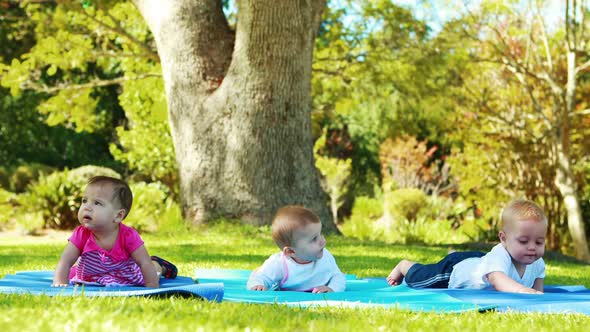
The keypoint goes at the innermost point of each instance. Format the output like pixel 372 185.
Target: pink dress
pixel 98 266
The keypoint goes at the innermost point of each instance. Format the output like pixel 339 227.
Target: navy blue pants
pixel 437 275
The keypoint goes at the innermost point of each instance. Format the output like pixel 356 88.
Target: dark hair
pixel 287 220
pixel 121 192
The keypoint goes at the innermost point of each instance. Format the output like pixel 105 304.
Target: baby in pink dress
pixel 107 252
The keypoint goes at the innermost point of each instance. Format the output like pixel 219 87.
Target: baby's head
pixel 519 210
pixel 523 228
pixel 297 232
pixel 122 197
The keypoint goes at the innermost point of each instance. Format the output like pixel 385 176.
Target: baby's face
pixel 309 243
pixel 97 211
pixel 524 240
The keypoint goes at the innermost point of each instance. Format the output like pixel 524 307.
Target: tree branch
pixel 545 43
pixel 582 67
pixel 92 84
pixel 583 26
pixel 568 32
pixel 118 29
pixel 581 112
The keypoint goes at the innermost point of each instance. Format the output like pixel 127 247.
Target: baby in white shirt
pixel 303 264
pixel 514 265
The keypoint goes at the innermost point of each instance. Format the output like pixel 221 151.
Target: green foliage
pixel 512 114
pixel 7 209
pixel 472 169
pixel 4 178
pixel 408 163
pixel 146 144
pixel 585 193
pixel 81 101
pixel 26 138
pixel 335 173
pixel 57 196
pixel 365 212
pixel 406 203
pixel 171 221
pixel 24 175
pixel 82 53
pixel 53 202
pixel 16 32
pixel 150 206
pixel 423 230
pixel 378 75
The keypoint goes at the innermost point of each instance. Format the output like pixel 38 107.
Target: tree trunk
pixel 240 106
pixel 564 177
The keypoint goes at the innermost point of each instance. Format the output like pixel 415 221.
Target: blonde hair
pixel 287 220
pixel 522 209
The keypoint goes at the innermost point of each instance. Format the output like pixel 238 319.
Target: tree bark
pixel 240 105
pixel 564 177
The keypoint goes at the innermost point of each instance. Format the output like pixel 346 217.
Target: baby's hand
pixel 529 291
pixel 322 289
pixel 259 288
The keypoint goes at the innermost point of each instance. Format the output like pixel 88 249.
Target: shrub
pixel 149 206
pixel 439 208
pixel 424 230
pixel 405 203
pixel 57 196
pixel 7 208
pixel 408 163
pixel 27 174
pixel 4 178
pixel 365 212
pixel 171 220
pixel 368 222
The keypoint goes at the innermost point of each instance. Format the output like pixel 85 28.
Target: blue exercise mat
pixel 376 292
pixel 39 283
pixel 359 293
pixel 557 299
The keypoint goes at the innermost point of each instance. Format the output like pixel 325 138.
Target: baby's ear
pixel 502 236
pixel 120 215
pixel 288 251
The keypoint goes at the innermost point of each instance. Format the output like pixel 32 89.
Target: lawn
pixel 226 245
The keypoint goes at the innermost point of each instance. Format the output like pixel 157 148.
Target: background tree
pixel 240 104
pixel 232 110
pixel 524 94
pixel 24 135
pixel 378 75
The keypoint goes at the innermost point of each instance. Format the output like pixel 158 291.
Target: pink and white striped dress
pixel 113 267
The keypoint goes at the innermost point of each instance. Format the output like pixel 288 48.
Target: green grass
pixel 225 245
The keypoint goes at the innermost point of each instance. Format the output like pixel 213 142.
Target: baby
pixel 107 252
pixel 304 264
pixel 513 265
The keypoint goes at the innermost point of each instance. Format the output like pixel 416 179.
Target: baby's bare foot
pixel 395 277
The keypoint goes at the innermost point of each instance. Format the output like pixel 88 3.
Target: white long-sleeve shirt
pixel 280 272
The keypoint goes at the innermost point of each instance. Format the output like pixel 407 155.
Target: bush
pixel 171 221
pixel 424 230
pixel 57 196
pixel 365 212
pixel 368 222
pixel 4 178
pixel 405 203
pixel 27 174
pixel 149 206
pixel 7 208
